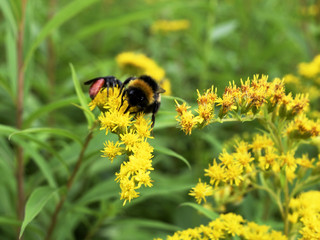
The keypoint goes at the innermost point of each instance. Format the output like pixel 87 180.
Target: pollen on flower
pixel 201 191
pixel 111 150
pixel 130 139
pixel 226 225
pixel 99 100
pixel 216 172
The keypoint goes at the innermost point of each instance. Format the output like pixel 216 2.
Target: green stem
pixel 19 113
pixel 273 195
pixel 69 185
pixel 286 208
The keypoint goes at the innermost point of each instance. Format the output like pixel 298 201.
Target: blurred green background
pixel 226 41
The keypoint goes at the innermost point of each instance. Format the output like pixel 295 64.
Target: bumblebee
pixel 143 93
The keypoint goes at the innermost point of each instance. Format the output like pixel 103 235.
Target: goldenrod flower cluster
pixel 166 26
pixel 240 168
pixel 307 80
pixel 139 64
pixel 252 99
pixel 306 214
pixel 227 226
pixel 133 134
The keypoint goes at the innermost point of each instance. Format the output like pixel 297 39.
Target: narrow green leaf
pixel 7 13
pixel 41 163
pixel 48 108
pixel 223 30
pixel 208 213
pixel 82 98
pixel 6 130
pixel 9 221
pixel 37 200
pixel 103 190
pixel 172 153
pixel 60 18
pixel 54 131
pixel 11 54
pixel 148 224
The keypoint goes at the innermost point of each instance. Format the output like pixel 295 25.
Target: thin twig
pixel 69 185
pixel 19 116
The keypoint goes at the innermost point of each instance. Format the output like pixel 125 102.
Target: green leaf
pixel 37 200
pixel 208 213
pixel 9 221
pixel 48 108
pixel 41 163
pixel 223 30
pixel 7 13
pixel 60 18
pixel 101 191
pixel 54 131
pixel 12 67
pixel 172 153
pixel 148 224
pixel 82 98
pixel 6 130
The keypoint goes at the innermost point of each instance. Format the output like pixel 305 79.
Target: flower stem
pixel 69 185
pixel 19 114
pixel 286 208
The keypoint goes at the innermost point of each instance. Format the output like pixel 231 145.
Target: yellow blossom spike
pixel 111 150
pixel 201 191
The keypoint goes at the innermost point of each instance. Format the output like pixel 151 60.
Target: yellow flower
pixel 243 156
pixel 270 159
pixel 302 127
pixel 99 100
pixel 298 105
pixel 304 161
pixel 216 173
pixel 227 104
pixel 128 190
pixel 232 223
pixel 201 191
pixel 226 158
pixel 130 139
pixel 310 69
pixel 142 126
pixel 143 178
pixel 307 207
pixel 111 150
pixel 188 121
pixel 261 142
pixel 170 26
pixel 233 174
pixel 139 64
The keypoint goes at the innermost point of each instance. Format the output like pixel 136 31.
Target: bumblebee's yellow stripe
pixel 138 83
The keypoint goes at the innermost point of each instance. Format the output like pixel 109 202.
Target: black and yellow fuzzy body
pixel 143 95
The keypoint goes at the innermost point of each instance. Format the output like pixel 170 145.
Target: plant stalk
pixel 69 185
pixel 19 113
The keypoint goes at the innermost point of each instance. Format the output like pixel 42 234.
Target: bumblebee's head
pixel 137 97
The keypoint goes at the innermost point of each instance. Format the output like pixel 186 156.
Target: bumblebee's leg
pixel 125 83
pixel 111 81
pixel 154 111
pixel 122 96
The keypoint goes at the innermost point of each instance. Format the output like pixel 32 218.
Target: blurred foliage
pixel 225 41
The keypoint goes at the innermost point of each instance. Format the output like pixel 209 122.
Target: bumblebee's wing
pixel 161 90
pixel 92 80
